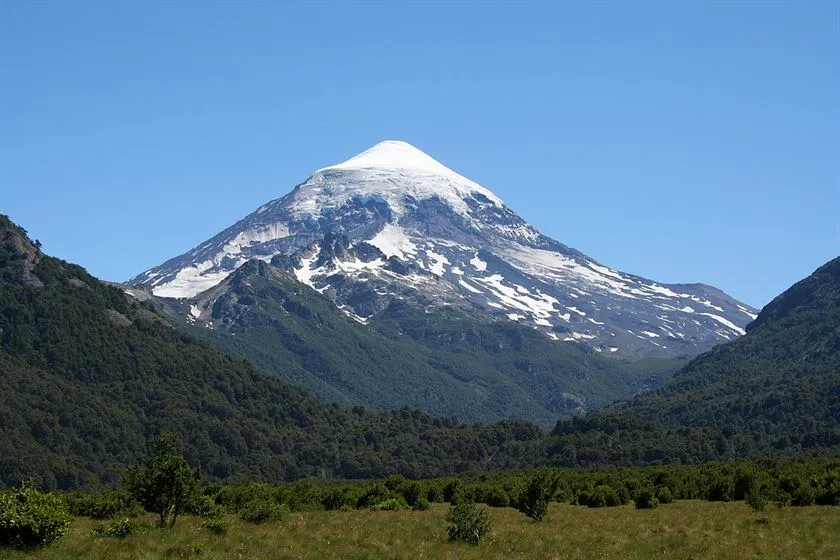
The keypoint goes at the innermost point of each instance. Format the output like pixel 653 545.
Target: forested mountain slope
pixel 444 361
pixel 89 375
pixel 775 391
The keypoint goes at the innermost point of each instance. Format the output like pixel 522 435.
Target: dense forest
pixel 89 376
pixel 773 392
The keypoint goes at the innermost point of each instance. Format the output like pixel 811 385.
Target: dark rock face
pixel 18 254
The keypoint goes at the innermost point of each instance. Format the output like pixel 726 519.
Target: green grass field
pixel 687 529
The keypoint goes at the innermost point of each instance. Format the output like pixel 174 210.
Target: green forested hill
pixel 775 391
pixel 445 362
pixel 88 376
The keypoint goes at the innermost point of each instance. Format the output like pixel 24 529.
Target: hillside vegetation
pixel 444 362
pixel 89 376
pixel 773 392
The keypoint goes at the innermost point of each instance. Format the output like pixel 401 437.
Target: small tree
pixel 165 483
pixel 539 491
pixel 467 522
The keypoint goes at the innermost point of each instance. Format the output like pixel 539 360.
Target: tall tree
pixel 165 483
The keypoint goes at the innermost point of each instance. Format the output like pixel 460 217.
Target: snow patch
pixel 725 322
pixel 393 241
pixel 438 261
pixel 478 264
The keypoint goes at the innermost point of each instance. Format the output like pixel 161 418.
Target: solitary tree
pixel 539 491
pixel 165 483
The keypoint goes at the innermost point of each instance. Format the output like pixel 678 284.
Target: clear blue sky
pixel 682 142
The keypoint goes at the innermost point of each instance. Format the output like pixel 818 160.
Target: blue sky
pixel 682 142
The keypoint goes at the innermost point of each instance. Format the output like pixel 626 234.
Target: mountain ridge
pixel 478 251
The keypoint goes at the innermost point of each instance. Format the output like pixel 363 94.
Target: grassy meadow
pixel 684 529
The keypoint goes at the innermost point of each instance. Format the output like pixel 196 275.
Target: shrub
pixel 392 504
pixel 434 493
pixel 539 490
pixel 467 522
pixel 496 496
pixel 804 495
pixel 29 518
pixel 601 496
pixel 422 504
pixel 374 494
pixel 663 494
pixel 450 489
pixel 782 499
pixel 412 492
pixel 104 506
pixel 646 499
pixel 206 506
pixel 464 493
pixel 394 482
pixel 757 498
pixel 333 498
pixel 215 525
pixel 302 495
pixel 235 498
pixel 117 529
pixel 263 511
pixel 721 490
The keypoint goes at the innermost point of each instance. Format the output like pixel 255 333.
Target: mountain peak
pixel 442 239
pixel 393 154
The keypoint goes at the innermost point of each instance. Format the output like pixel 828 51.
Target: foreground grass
pixel 690 529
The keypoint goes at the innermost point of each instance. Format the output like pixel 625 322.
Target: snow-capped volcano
pixel 393 223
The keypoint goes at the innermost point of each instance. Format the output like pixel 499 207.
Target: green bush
pixel 104 506
pixel 450 489
pixel 263 511
pixel 422 504
pixel 333 498
pixel 602 495
pixel 117 528
pixel 646 499
pixel 721 490
pixel 392 504
pixel 206 506
pixel 782 499
pixel 804 495
pixel 374 494
pixel 434 493
pixel 496 496
pixel 467 522
pixel 757 498
pixel 412 492
pixel 29 518
pixel 663 494
pixel 539 491
pixel 215 525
